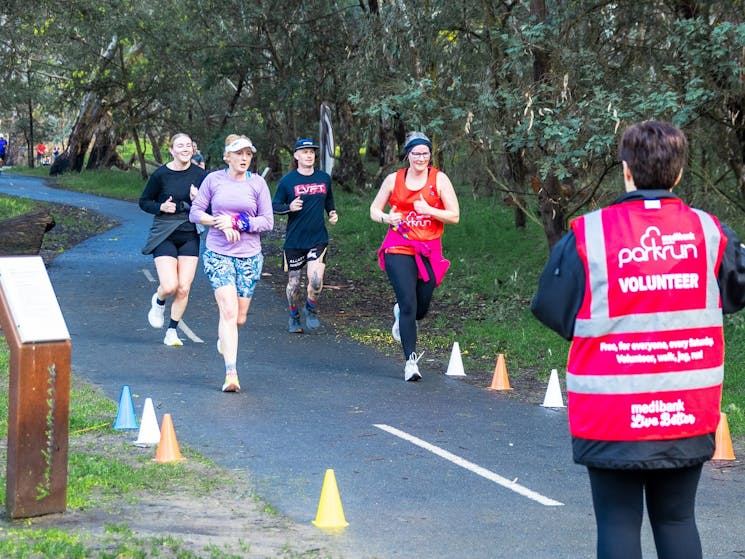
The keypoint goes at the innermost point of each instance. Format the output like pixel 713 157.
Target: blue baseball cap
pixel 303 143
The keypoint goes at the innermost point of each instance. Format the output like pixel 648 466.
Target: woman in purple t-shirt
pixel 240 208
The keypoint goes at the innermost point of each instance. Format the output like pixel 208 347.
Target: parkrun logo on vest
pixel 654 246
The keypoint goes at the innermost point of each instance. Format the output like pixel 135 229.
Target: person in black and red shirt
pixel 305 196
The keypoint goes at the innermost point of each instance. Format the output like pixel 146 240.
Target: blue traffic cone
pixel 125 416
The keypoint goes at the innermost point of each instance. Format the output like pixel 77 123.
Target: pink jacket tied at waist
pixel 429 249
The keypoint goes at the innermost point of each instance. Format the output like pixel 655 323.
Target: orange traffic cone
pixel 500 380
pixel 167 450
pixel 723 449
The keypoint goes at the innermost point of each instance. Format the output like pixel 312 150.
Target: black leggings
pixel 412 294
pixel 618 498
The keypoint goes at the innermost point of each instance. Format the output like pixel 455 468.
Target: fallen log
pixel 24 234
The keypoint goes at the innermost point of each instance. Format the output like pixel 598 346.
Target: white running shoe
pixel 231 383
pixel 411 369
pixel 156 315
pixel 172 338
pixel 395 331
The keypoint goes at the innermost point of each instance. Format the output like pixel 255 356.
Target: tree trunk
pixel 103 153
pixel 388 142
pixel 90 114
pixel 31 152
pixel 550 197
pixel 350 173
pixel 552 212
pixel 155 144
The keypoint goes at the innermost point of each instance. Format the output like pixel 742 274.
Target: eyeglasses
pixel 414 155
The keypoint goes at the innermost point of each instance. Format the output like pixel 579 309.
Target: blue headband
pixel 417 142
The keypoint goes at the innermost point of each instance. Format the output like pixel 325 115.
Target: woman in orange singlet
pixel 422 200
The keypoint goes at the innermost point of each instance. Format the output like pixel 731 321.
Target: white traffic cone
pixel 149 434
pixel 455 367
pixel 553 398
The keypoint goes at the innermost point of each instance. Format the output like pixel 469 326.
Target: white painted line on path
pixel 476 469
pixel 188 331
pixel 182 324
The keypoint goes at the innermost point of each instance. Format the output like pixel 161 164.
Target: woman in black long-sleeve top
pixel 173 240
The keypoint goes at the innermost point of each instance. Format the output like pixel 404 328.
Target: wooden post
pixel 38 399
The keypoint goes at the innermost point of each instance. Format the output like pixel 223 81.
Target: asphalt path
pixel 437 469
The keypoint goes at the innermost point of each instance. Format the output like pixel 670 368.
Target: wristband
pixel 241 222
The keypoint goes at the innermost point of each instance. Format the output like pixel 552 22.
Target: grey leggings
pixel 412 294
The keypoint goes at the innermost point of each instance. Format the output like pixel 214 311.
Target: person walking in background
pixel 197 158
pixel 41 151
pixel 639 287
pixel 240 209
pixel 3 149
pixel 304 195
pixel 422 200
pixel 173 240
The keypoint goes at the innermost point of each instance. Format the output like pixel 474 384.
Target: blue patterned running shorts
pixel 242 273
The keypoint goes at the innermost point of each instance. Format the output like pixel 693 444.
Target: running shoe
pixel 395 331
pixel 411 369
pixel 219 346
pixel 172 338
pixel 156 315
pixel 311 318
pixel 294 324
pixel 231 383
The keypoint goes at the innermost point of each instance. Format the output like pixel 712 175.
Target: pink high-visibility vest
pixel 647 356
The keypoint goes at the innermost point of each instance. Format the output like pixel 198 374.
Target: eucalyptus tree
pixel 27 106
pixel 567 77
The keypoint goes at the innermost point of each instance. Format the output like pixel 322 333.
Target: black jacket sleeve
pixel 149 201
pixel 731 278
pixel 561 288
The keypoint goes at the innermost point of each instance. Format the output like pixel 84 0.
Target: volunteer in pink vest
pixel 420 200
pixel 639 287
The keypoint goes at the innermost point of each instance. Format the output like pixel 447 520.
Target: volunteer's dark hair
pixel 655 152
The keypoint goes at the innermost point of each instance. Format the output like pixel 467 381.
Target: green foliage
pixel 10 206
pixel 51 544
pixel 508 92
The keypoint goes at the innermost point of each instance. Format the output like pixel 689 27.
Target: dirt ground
pixel 228 518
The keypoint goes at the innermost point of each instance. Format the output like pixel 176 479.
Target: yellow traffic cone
pixel 330 514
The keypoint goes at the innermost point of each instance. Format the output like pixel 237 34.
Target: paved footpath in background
pixel 436 469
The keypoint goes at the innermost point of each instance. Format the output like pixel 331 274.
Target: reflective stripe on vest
pixel 654 372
